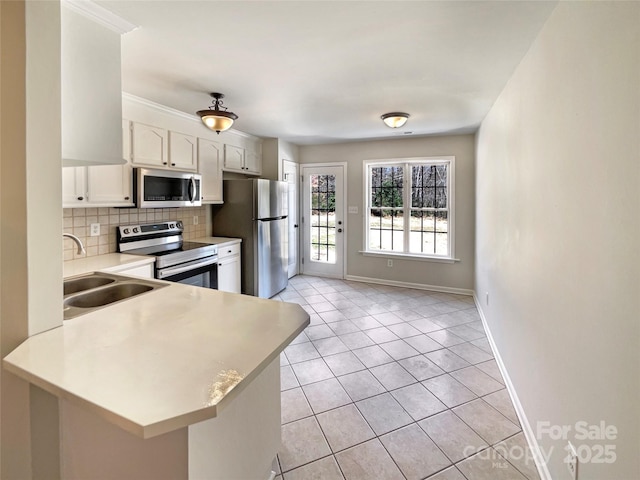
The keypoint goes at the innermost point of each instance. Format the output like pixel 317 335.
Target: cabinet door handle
pixel 80 198
pixel 126 198
pixel 164 163
pixel 173 164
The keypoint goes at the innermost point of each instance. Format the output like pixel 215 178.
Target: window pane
pixel 442 233
pixel 429 233
pixel 429 186
pixel 386 230
pixel 386 186
pixel 323 232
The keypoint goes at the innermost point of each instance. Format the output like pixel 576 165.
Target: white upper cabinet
pixel 74 187
pixel 91 92
pixel 243 160
pixel 210 167
pixel 234 158
pixel 160 148
pixel 149 146
pixel 110 185
pixel 183 151
pixel 101 185
pixel 253 161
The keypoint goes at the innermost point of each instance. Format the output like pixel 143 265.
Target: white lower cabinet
pixel 229 271
pixel 144 271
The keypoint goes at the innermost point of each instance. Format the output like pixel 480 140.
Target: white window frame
pixel 407 163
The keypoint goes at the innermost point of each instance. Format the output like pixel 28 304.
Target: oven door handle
pixel 168 272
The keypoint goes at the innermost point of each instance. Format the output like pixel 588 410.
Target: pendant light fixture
pixel 395 119
pixel 218 118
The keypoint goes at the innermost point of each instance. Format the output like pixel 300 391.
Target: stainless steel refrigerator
pixel 256 211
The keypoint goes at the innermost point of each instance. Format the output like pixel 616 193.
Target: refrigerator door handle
pixel 270 219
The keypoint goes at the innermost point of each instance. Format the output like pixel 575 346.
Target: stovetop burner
pixel 164 241
pixel 168 248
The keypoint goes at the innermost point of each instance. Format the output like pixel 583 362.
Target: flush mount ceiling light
pixel 217 119
pixel 395 119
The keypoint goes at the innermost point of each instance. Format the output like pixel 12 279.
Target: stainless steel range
pixel 176 260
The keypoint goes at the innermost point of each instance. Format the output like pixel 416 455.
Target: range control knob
pixel 179 224
pixel 136 230
pixel 126 231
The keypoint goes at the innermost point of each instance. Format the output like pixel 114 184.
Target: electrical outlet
pixel 389 263
pixel 572 460
pixel 195 219
pixel 95 229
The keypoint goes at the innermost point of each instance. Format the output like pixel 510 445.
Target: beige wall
pixel 14 420
pixel 30 255
pixel 558 229
pixel 456 276
pixel 274 151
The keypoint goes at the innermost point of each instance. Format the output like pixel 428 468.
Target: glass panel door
pixel 324 227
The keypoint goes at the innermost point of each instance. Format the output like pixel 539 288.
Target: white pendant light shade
pixel 217 119
pixel 395 119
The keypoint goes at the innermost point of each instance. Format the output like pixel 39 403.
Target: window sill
pixel 408 256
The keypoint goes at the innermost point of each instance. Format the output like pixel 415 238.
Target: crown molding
pixel 172 111
pixel 100 15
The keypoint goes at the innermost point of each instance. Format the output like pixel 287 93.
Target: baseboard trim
pixel 418 286
pixel 529 434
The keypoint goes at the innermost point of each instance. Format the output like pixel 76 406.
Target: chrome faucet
pixel 81 249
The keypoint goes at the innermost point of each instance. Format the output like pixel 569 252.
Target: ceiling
pixel 314 72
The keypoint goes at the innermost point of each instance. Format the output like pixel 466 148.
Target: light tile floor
pixel 393 383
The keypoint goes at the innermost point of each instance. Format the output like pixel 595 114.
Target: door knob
pixel 339 230
pixel 339 222
pixel 295 226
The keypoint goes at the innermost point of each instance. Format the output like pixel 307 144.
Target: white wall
pixel 558 228
pixel 456 276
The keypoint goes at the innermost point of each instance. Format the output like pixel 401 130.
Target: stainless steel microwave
pixel 165 188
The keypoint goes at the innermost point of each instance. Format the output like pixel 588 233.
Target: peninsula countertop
pixel 162 360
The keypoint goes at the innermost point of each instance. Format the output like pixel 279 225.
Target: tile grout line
pixel 459 306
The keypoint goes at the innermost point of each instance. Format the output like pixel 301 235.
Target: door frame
pixel 298 269
pixel 302 237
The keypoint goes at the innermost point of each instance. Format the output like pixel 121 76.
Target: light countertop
pixel 113 262
pixel 220 241
pixel 162 360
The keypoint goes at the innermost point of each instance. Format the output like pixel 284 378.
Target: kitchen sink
pixel 98 290
pixel 86 283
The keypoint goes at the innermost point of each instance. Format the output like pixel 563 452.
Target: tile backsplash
pixel 78 220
